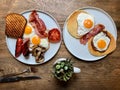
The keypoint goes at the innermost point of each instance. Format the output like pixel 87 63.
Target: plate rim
pixel 58 26
pixel 98 9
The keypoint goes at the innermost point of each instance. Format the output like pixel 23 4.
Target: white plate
pixel 81 51
pixel 50 23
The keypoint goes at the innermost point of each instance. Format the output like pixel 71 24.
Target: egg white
pixel 31 34
pixel 101 36
pixel 43 42
pixel 80 19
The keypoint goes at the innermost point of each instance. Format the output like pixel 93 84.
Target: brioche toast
pixel 15 25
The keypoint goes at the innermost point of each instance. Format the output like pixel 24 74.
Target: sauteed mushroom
pixel 38 51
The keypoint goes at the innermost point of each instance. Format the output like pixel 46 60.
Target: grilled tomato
pixel 54 35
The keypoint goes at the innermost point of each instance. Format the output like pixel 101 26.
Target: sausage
pixel 25 47
pixel 18 49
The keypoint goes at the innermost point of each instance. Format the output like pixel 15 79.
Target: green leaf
pixel 62 64
pixel 57 67
pixel 65 67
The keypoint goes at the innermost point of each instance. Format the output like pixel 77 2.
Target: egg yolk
pixel 101 44
pixel 35 40
pixel 28 30
pixel 88 23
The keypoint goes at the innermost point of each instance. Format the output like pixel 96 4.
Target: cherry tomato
pixel 54 35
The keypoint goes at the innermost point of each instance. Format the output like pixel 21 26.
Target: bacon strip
pixel 37 24
pixel 98 28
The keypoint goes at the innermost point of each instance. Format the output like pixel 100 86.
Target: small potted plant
pixel 63 69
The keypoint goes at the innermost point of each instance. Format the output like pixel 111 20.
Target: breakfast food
pixel 15 24
pixel 32 38
pixel 102 44
pixel 38 24
pixel 25 47
pixel 37 32
pixel 18 48
pixel 54 35
pixel 80 23
pixel 85 23
pixel 98 28
pixel 38 52
pixel 22 47
pixel 36 40
pixel 29 31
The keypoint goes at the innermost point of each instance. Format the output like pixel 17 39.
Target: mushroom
pixel 38 51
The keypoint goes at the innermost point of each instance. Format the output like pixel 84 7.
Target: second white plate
pixel 81 51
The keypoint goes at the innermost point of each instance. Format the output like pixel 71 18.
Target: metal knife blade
pixel 18 78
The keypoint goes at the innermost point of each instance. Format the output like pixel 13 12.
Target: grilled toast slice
pixel 15 25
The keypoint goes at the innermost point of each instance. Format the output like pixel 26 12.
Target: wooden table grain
pixel 101 75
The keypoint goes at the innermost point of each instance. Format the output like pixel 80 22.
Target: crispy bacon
pixel 38 24
pixel 98 28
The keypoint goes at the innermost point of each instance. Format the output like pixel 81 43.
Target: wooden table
pixel 103 74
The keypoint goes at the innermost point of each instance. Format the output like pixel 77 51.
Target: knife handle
pixel 9 79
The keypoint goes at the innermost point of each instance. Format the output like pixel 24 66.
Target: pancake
pixel 111 48
pixel 72 25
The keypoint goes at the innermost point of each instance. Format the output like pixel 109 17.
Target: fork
pixel 27 70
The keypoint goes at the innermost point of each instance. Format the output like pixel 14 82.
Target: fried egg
pixel 101 41
pixel 85 23
pixel 29 31
pixel 34 38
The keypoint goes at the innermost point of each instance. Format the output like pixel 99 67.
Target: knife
pixel 17 78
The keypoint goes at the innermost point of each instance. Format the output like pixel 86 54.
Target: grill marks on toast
pixel 15 25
